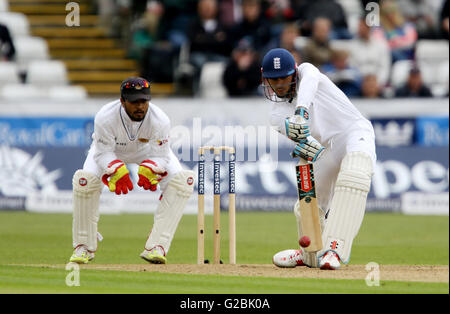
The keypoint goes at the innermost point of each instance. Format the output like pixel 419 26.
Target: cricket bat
pixel 309 211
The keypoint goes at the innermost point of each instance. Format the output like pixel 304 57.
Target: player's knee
pixel 356 172
pixel 86 182
pixel 183 182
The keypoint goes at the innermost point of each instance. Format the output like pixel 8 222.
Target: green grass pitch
pixel 387 239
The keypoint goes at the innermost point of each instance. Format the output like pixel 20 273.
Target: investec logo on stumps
pixel 231 173
pixel 201 175
pixel 216 174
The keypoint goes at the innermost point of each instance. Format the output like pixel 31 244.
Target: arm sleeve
pixel 309 77
pixel 105 143
pixel 277 123
pixel 278 115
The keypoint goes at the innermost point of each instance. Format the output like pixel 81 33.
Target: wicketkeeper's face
pixel 136 110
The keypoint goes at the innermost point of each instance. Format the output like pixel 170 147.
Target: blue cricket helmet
pixel 278 62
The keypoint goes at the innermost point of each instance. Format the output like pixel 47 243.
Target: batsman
pixel 130 130
pixel 328 131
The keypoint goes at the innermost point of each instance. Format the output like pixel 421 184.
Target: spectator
pixel 286 40
pixel 253 25
pixel 317 50
pixel 370 87
pixel 400 35
pixel 242 75
pixel 7 50
pixel 228 12
pixel 177 17
pixel 332 10
pixel 414 87
pixel 370 55
pixel 279 12
pixel 106 10
pixel 148 30
pixel 423 14
pixel 346 77
pixel 122 21
pixel 209 40
pixel 173 17
pixel 152 47
pixel 444 20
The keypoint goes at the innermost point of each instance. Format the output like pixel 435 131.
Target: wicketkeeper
pixel 130 130
pixel 329 131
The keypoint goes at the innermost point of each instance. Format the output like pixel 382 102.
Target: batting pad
pixel 310 259
pixel 87 188
pixel 348 205
pixel 170 210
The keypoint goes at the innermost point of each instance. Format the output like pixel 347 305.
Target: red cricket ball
pixel 304 241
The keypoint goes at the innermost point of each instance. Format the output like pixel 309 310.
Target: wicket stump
pixel 201 204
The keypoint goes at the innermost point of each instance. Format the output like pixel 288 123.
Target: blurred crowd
pixel 173 40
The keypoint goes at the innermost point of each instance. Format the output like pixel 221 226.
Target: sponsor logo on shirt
pixel 162 142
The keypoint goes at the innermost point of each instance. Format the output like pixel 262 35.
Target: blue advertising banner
pixel 432 131
pixel 424 131
pixel 46 131
pixel 39 156
pixel 394 132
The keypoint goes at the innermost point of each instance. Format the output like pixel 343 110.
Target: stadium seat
pixel 21 92
pixel 433 61
pixel 211 85
pixel 4 6
pixel 9 73
pixel 67 93
pixel 400 72
pixel 30 48
pixel 46 73
pixel 17 23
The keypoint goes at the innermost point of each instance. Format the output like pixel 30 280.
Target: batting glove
pixel 117 178
pixel 297 126
pixel 150 175
pixel 309 149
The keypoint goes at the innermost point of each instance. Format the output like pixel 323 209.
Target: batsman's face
pixel 136 110
pixel 281 85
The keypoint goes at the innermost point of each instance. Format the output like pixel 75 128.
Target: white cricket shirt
pixel 331 112
pixel 116 136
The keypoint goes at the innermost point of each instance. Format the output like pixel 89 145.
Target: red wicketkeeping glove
pixel 150 175
pixel 119 178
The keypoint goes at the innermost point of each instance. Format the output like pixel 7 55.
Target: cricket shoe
pixel 81 255
pixel 330 261
pixel 289 258
pixel 155 256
